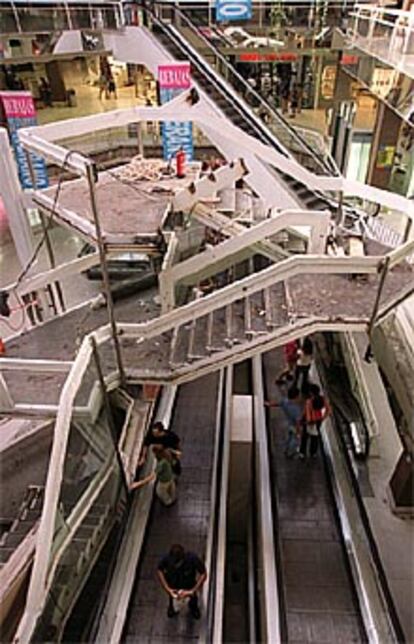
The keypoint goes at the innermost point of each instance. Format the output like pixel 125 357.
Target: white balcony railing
pixel 386 34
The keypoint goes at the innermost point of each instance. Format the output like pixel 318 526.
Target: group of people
pixel 302 402
pixel 180 572
pixel 166 449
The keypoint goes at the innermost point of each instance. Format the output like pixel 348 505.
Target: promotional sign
pixel 19 111
pixel 256 57
pixel 172 80
pixel 227 10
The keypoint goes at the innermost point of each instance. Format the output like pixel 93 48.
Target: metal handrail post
pixel 91 176
pixel 384 271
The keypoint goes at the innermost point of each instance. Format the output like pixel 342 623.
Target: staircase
pixel 228 326
pixel 74 569
pixel 27 517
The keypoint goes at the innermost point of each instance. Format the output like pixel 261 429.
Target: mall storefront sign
pixel 18 111
pixel 227 10
pixel 173 79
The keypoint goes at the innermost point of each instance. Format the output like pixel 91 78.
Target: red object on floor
pixel 180 163
pixel 2 348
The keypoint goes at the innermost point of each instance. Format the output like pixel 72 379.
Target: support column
pixel 12 196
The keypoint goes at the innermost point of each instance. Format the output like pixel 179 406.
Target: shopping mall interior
pixel 207 321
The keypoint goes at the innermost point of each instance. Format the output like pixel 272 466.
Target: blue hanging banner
pixel 173 79
pixel 227 10
pixel 19 111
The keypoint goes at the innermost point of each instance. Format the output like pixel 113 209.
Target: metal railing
pixel 16 18
pixel 48 555
pixel 270 118
pixel 385 33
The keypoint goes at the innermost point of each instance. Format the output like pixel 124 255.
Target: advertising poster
pixel 227 10
pixel 19 111
pixel 173 79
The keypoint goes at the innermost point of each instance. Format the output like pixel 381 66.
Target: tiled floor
pixel 186 522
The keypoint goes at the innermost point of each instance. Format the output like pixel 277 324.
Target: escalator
pixel 207 520
pixel 238 102
pixel 317 593
pixel 331 583
pixel 186 522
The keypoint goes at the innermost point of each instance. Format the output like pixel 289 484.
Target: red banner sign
pixel 255 57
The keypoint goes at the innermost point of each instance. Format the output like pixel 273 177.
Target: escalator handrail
pixel 376 557
pixel 198 62
pixel 329 167
pixel 240 106
pixel 208 591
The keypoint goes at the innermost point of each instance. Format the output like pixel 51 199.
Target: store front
pixel 358 159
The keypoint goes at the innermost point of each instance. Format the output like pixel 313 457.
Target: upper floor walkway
pixel 386 34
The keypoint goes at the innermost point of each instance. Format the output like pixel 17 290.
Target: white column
pixel 12 196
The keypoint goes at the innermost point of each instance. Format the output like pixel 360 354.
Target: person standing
pixel 111 85
pixel 303 365
pixel 165 488
pixel 181 575
pixel 159 435
pixel 103 86
pixel 317 408
pixel 290 355
pixel 294 101
pixel 292 408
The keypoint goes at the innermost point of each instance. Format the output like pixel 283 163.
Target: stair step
pixel 239 328
pixel 258 313
pixel 181 345
pixel 229 325
pixel 279 311
pixel 5 554
pixel 218 342
pixel 200 339
pixel 30 515
pixel 85 532
pixel 210 324
pixel 13 540
pixel 247 316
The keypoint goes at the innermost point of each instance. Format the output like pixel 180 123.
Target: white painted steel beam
pixel 249 236
pixel 75 162
pixel 36 595
pixel 238 353
pixel 202 115
pixel 205 187
pixel 68 217
pixel 283 270
pixel 35 365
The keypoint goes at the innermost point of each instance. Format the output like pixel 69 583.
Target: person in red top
pixel 290 355
pixel 317 408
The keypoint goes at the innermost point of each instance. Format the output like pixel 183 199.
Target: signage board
pixel 256 57
pixel 173 79
pixel 227 10
pixel 19 111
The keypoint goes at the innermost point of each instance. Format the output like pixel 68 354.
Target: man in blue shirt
pixel 292 408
